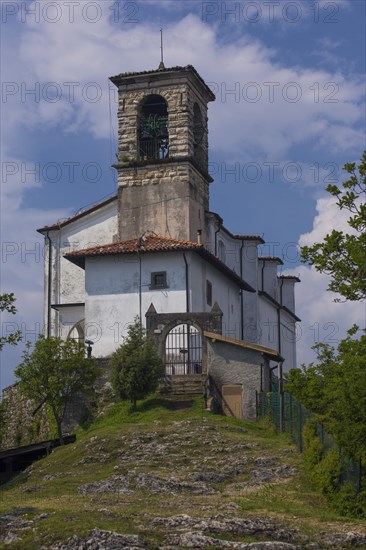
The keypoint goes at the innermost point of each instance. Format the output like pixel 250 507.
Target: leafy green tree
pixel 136 367
pixel 7 305
pixel 343 255
pixel 334 389
pixel 54 373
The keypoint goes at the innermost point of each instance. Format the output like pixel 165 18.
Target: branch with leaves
pixel 343 255
pixel 7 305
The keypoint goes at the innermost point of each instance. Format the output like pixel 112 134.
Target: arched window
pixel 153 133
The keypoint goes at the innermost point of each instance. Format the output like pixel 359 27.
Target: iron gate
pixel 183 350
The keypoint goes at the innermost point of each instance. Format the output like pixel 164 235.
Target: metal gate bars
pixel 183 350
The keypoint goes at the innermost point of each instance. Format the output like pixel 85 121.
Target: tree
pixel 334 389
pixel 54 373
pixel 7 304
pixel 343 255
pixel 136 367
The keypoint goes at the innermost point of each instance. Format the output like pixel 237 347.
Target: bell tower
pixel 163 180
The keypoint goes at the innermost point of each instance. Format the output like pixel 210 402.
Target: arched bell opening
pixel 153 134
pixel 183 350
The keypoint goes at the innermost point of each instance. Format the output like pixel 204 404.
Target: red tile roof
pixel 249 238
pixel 270 259
pixel 66 221
pixel 154 243
pixel 290 277
pixel 148 243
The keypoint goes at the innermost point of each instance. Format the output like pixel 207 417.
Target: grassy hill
pixel 171 475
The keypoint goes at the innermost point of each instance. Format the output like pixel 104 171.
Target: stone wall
pixel 183 93
pixel 169 198
pixel 22 428
pixel 231 364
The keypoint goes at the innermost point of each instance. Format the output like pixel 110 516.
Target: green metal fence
pixel 289 415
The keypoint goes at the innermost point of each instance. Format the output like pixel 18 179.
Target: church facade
pixel 156 248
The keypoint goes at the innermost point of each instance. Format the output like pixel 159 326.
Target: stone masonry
pixel 168 196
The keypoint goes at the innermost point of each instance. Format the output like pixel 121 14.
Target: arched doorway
pixel 183 350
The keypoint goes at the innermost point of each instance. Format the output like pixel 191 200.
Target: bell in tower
pixel 162 153
pixel 153 129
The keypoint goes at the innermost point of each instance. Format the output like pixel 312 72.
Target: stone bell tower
pixel 162 153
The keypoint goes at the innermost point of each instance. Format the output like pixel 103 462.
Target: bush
pixel 136 367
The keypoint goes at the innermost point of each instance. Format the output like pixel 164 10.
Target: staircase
pixel 187 384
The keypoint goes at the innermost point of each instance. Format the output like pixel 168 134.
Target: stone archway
pixel 77 331
pixel 160 325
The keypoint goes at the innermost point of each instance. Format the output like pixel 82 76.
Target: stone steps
pixel 190 384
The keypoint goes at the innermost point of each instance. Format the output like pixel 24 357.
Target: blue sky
pixel 289 82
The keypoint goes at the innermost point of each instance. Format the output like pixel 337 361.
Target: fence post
pixel 280 396
pixel 359 475
pixel 291 427
pixel 300 428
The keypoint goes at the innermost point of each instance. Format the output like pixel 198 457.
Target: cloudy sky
pixel 289 82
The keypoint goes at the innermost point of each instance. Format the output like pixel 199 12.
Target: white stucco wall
pixel 224 291
pixel 68 280
pixel 289 337
pixel 268 328
pixel 68 318
pixel 112 287
pixel 267 323
pixel 267 277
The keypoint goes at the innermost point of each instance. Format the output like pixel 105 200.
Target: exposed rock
pixel 339 540
pixel 103 540
pixel 50 477
pixel 171 485
pixel 100 458
pixel 263 526
pixel 197 539
pixel 268 475
pixel 10 538
pixel 117 484
pixel 220 475
pixel 264 461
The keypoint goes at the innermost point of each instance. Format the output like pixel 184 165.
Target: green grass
pixel 191 440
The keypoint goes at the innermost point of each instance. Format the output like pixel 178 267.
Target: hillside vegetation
pixel 167 476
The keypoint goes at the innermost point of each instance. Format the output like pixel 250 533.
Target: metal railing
pixel 291 416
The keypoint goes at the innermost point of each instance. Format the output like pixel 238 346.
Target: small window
pixel 209 293
pixel 158 279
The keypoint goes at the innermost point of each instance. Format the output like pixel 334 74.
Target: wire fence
pixel 287 414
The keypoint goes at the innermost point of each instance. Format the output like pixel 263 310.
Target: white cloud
pixel 255 109
pixel 323 320
pixel 82 53
pixel 21 265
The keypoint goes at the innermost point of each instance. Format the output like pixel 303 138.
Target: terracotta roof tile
pixel 149 243
pixel 271 259
pixel 290 277
pixel 250 238
pixel 154 243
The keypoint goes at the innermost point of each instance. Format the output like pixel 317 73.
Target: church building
pixel 214 306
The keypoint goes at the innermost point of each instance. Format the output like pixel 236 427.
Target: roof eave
pixel 57 226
